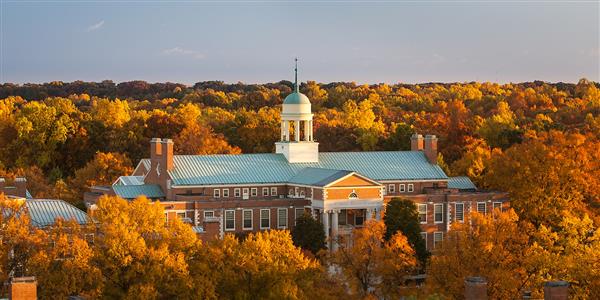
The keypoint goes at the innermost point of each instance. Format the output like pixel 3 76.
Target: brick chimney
pixel 430 148
pixel 556 290
pixel 167 157
pixel 416 142
pixel 23 288
pixel 475 288
pixel 21 185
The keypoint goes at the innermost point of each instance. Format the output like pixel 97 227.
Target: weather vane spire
pixel 296 78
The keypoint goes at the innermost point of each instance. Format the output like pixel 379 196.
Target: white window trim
pixel 225 193
pixel 251 219
pixel 209 211
pixel 424 236
pixel 216 193
pixel 237 192
pixel 296 209
pixel 274 191
pixel 435 244
pixel 245 193
pixel 494 204
pixel 286 218
pixel 225 220
pixel 261 218
pixel 484 208
pixel 402 188
pixel 253 192
pixel 426 208
pixel 392 188
pixel 463 212
pixel 411 187
pixel 434 214
pixel 384 190
pixel 265 192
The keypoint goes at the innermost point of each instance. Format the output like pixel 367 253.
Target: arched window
pixel 353 195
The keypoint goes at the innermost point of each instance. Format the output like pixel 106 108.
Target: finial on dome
pixel 296 87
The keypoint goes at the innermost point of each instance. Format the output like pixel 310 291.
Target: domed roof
pixel 296 98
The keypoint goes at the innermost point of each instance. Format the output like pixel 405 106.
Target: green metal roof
pixel 133 191
pixel 318 176
pixel 461 183
pixel 296 98
pixel 44 212
pixel 274 168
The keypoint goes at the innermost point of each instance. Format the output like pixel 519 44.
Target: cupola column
pixel 297 131
pixel 306 130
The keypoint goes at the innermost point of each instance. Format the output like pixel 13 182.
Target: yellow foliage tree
pixel 373 267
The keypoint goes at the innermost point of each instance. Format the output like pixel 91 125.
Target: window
pixel 392 188
pixel 438 213
pixel 291 192
pixel 424 237
pixel 230 220
pixel 273 191
pixel 217 193
pixel 181 215
pixel 296 191
pixel 265 191
pixel 297 213
pixel 247 219
pixel 236 192
pixel 411 187
pixel 225 193
pixel 384 190
pixel 497 205
pixel 359 218
pixel 459 212
pixel 438 237
pixel 282 217
pixel 481 207
pixel 423 213
pixel 353 195
pixel 209 214
pixel 265 218
pixel 89 237
pixel 254 192
pixel 245 193
pixel 343 217
pixel 402 188
pixel 302 193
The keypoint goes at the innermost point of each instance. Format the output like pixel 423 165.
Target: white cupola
pixel 297 119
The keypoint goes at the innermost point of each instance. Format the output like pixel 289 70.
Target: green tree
pixel 401 215
pixel 308 234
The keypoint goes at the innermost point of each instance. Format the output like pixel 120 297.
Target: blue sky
pixel 255 42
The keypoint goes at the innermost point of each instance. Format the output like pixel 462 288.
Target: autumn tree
pixel 401 215
pixel 104 169
pixel 493 246
pixel 373 266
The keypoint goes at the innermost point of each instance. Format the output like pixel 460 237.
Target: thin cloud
pixel 184 52
pixel 96 26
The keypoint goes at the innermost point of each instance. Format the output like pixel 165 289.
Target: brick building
pixel 251 192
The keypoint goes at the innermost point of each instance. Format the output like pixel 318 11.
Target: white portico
pixel 297 120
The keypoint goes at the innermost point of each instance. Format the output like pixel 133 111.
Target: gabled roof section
pixel 274 168
pixel 44 212
pixel 129 180
pixel 318 176
pixel 133 191
pixel 461 183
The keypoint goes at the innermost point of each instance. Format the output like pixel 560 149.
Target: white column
pixel 326 223
pixel 297 131
pixel 378 214
pixel 306 130
pixel 287 131
pixel 334 229
pixel 310 130
pixel 282 130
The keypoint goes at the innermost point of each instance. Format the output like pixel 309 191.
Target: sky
pixel 256 41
